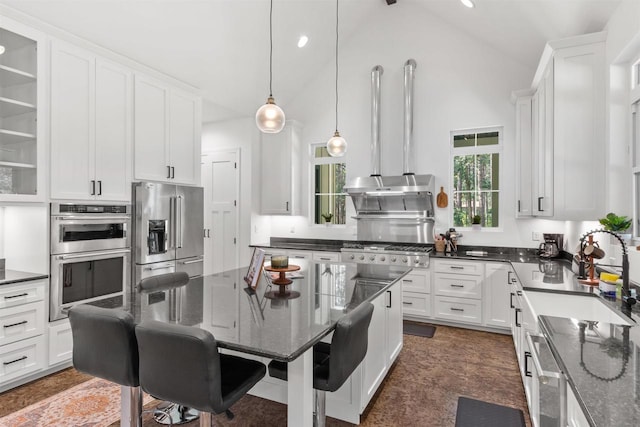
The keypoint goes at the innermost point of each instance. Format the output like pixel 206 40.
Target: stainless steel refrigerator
pixel 167 230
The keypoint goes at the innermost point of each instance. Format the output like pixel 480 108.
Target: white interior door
pixel 220 171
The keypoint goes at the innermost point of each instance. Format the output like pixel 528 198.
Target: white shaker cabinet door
pixel 113 132
pixel 151 150
pixel 72 122
pixel 497 295
pixel 184 137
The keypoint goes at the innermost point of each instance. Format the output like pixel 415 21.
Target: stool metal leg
pixel 319 415
pixel 205 419
pixel 131 406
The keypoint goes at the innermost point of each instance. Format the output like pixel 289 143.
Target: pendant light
pixel 270 117
pixel 337 146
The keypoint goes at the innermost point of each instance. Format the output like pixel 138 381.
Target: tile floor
pixel 421 390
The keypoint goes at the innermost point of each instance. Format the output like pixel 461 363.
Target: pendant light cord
pixel 337 65
pixel 271 49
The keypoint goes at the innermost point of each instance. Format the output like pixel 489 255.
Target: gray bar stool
pixel 334 363
pixel 104 346
pixel 170 413
pixel 181 364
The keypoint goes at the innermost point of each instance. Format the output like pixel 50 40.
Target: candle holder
pixel 279 261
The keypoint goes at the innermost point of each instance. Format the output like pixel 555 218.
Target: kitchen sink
pixel 573 306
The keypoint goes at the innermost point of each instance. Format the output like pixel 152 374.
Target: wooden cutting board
pixel 442 200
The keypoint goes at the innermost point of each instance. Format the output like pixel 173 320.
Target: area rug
pixel 94 403
pixel 419 329
pixel 476 413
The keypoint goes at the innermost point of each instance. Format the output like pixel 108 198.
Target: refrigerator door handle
pixel 172 222
pixel 179 221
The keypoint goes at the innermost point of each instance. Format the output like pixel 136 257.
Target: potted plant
pixel 327 216
pixel 475 222
pixel 617 224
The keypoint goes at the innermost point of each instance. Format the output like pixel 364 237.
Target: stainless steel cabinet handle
pixel 168 171
pixel 173 172
pixel 92 219
pixel 158 268
pixel 527 355
pixel 540 204
pixel 15 324
pixel 195 261
pixel 457 286
pixel 509 279
pixel 511 300
pixel 518 324
pixel 456 309
pixel 14 361
pixel 99 188
pixel 93 187
pixel 389 292
pixel 456 267
pixel 208 232
pixel 16 296
pixel 287 207
pixel 407 280
pixel 407 303
pixel 325 259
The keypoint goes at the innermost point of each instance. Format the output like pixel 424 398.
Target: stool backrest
pixel 349 345
pixel 104 344
pixel 180 364
pixel 162 282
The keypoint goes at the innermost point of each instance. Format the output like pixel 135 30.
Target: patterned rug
pixel 94 403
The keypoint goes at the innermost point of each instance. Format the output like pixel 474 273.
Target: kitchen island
pixel 253 325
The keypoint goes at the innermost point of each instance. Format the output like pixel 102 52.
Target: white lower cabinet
pixel 20 322
pixel 21 358
pixel 458 309
pixel 497 294
pixel 60 342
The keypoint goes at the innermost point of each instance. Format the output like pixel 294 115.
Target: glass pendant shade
pixel 337 145
pixel 270 118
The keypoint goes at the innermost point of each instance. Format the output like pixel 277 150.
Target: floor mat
pixel 476 413
pixel 419 329
pixel 94 403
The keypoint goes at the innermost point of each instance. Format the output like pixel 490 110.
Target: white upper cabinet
pixel 167 133
pixel 280 171
pixel 23 115
pixel 90 126
pixel 561 162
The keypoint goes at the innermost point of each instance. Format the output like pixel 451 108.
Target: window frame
pixel 476 150
pixel 313 161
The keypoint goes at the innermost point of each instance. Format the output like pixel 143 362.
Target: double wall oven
pixel 90 256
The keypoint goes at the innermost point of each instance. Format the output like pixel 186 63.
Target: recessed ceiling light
pixel 468 3
pixel 302 41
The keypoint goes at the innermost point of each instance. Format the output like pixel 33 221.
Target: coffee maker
pixel 553 244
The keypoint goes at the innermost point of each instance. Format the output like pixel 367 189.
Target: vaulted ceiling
pixel 221 46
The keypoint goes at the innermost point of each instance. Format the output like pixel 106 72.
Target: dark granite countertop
pixel 8 277
pixel 602 364
pixel 251 322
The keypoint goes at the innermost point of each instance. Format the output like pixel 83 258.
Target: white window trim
pixel 312 191
pixel 488 149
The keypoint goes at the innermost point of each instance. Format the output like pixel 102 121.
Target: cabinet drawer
pixel 21 358
pixel 458 285
pixel 458 309
pixel 417 281
pixel 23 293
pixel 60 342
pixel 416 304
pixel 459 267
pixel 20 322
pixel 326 256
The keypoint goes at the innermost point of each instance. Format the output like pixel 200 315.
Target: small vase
pixel 476 227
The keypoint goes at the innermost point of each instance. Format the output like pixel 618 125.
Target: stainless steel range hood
pixel 404 196
pixel 393 208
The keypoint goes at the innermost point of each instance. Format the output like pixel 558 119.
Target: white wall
pixel 26 238
pixel 460 83
pixel 242 134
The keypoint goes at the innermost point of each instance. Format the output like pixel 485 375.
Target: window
pixel 329 175
pixel 476 176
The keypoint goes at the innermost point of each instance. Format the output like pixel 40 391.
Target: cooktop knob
pixel 361 257
pixel 404 260
pixel 352 256
pixel 393 259
pixel 382 258
pixel 416 261
pixel 372 258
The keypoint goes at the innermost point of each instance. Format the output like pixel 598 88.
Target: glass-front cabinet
pixel 21 98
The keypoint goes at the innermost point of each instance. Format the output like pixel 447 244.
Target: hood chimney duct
pixel 376 72
pixel 407 146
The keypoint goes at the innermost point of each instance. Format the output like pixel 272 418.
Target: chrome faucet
pixel 627 299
